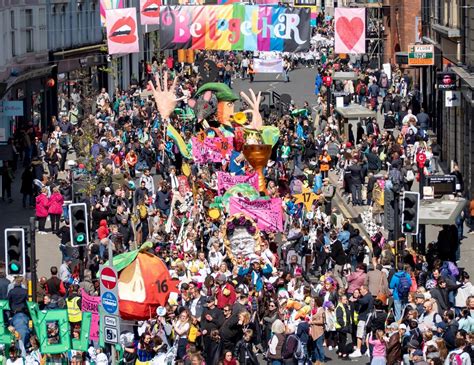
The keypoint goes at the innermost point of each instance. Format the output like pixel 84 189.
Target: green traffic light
pixel 80 238
pixel 14 268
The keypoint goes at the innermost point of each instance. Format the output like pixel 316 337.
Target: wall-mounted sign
pixel 452 98
pixel 11 108
pixel 447 80
pixel 420 55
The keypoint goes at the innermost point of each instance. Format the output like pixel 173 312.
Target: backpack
pixel 455 359
pixel 410 175
pixel 450 269
pixel 293 348
pixel 142 211
pixel 403 287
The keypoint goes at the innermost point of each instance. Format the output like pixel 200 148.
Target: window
pixel 29 40
pixel 12 19
pixel 13 44
pixel 28 17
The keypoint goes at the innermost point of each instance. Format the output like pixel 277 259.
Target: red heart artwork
pixel 349 31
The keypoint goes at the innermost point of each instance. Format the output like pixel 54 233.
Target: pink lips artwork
pixel 122 31
pixel 150 11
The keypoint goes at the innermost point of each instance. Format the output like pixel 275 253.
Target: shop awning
pixel 30 75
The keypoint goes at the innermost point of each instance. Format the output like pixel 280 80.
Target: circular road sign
pixel 109 302
pixel 108 278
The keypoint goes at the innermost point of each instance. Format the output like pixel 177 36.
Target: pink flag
pixel 350 30
pixel 266 213
pixel 225 181
pixel 150 11
pixel 122 34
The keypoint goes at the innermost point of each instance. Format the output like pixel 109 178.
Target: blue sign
pixel 109 302
pixel 12 108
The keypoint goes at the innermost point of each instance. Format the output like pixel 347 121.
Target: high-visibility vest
pixel 344 316
pixel 73 310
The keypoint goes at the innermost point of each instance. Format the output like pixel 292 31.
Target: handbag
pixel 381 295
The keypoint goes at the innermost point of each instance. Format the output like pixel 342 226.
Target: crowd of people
pixel 319 289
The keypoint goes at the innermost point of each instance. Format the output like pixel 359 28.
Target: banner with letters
pixel 225 181
pixel 266 213
pixel 90 304
pixel 122 34
pixel 273 65
pixel 235 27
pixel 215 149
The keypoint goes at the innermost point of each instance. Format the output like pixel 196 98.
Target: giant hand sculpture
pixel 165 98
pixel 254 103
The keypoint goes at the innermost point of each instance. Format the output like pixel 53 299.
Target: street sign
pixel 109 302
pixel 442 184
pixel 109 290
pixel 111 335
pixel 111 328
pixel 108 278
pixel 420 55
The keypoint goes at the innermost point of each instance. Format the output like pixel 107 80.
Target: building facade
pixel 449 26
pixel 24 66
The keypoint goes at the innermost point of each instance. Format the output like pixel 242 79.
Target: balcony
pixel 447 31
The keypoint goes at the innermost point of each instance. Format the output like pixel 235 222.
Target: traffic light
pixel 15 253
pixel 78 224
pixel 410 216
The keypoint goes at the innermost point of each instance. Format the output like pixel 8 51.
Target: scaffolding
pixel 374 30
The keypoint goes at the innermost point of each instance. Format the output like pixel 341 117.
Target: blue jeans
pixel 276 362
pixel 398 306
pixel 318 350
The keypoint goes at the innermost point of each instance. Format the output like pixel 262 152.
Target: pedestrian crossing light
pixel 410 210
pixel 15 251
pixel 78 224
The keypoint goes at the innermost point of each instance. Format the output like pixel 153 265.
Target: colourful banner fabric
pixel 227 2
pixel 106 5
pixel 91 304
pixel 314 14
pixel 216 149
pixel 225 181
pixel 122 35
pixel 235 27
pixel 350 30
pixel 274 65
pixel 150 11
pixel 266 213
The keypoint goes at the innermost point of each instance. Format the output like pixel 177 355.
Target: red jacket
pixel 56 202
pixel 42 205
pixel 222 299
pixel 103 230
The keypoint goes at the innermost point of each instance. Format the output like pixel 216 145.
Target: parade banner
pixel 91 304
pixel 350 30
pixel 225 181
pixel 122 34
pixel 235 27
pixel 314 14
pixel 150 11
pixel 266 213
pixel 106 5
pixel 274 65
pixel 216 149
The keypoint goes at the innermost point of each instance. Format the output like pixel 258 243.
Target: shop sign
pixel 420 55
pixel 447 80
pixel 11 108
